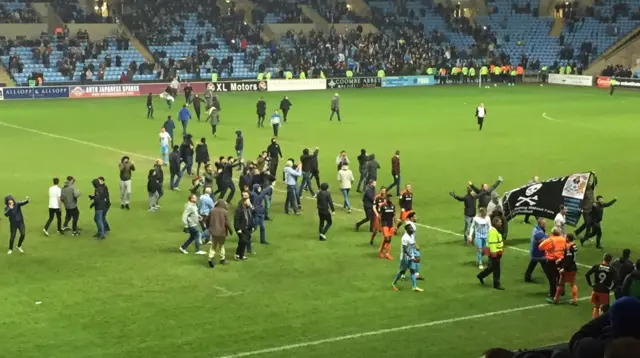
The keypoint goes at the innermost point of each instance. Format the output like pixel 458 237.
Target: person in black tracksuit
pixel 363 158
pixel 202 154
pixel 174 169
pixel 149 106
pixel 261 111
pixel 239 147
pixel 274 156
pixel 188 92
pixel 597 214
pixel 305 160
pixel 315 170
pixel 196 105
pixel 623 267
pixel 227 178
pixel 324 204
pixel 243 225
pixel 285 106
pixel 186 154
pixel 368 198
pixel 13 211
pixel 160 176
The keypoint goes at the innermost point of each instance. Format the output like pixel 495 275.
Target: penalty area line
pixel 289 347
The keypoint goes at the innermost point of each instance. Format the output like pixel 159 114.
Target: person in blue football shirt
pixel 276 119
pixel 479 233
pixel 184 116
pixel 409 259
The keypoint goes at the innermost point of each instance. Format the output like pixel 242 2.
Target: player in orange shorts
pixel 568 270
pixel 604 276
pixel 377 202
pixel 406 204
pixel 387 219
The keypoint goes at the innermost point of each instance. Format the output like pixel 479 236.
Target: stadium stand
pixel 17 12
pixel 278 12
pixel 70 11
pixel 336 12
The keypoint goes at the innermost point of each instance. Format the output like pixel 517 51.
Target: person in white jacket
pixel 345 177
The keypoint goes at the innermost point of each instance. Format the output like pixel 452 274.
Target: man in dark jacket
pixel 239 147
pixel 469 201
pixel 152 190
pixel 623 267
pixel 226 181
pixel 202 154
pixel 99 205
pixel 363 158
pixel 315 170
pixel 261 111
pixel 196 105
pixel 243 225
pixel 275 154
pixel 259 201
pixel 305 160
pixel 160 176
pixel 150 106
pixel 631 283
pixel 368 198
pixel 186 154
pixel 484 192
pixel 324 204
pixel 174 169
pixel 285 106
pixel 13 211
pixel 188 93
pixel 372 167
pixel 597 214
pixel 395 173
pixel 69 196
pixel 169 126
pixel 107 197
pixel 126 168
pixel 536 255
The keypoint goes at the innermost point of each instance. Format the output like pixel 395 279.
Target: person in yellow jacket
pixel 495 248
pixel 288 75
pixel 465 74
pixel 496 75
pixel 303 76
pixel 472 75
pixel 568 69
pixel 380 73
pixel 267 75
pixel 322 74
pixel 484 74
pixel 214 77
pixel 349 74
pixel 260 76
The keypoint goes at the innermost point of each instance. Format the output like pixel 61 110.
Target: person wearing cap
pixel 335 107
pixel 620 321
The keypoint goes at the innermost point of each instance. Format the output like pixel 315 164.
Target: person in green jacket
pixel 303 76
pixel 495 246
pixel 465 74
pixel 613 85
pixel 484 74
pixel 514 75
pixel 472 75
pixel 561 70
pixel 544 73
pixel 496 74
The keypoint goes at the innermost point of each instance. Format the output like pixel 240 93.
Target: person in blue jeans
pixel 259 201
pixel 479 233
pixel 99 204
pixel 290 178
pixel 305 162
pixel 346 179
pixel 184 116
pixel 469 201
pixel 191 222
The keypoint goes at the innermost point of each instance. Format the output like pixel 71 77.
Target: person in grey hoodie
pixel 484 192
pixel 258 200
pixel 69 197
pixel 126 167
pixel 191 221
pixel 13 211
pixel 335 107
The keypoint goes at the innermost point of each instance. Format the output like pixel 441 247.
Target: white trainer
pixel 183 250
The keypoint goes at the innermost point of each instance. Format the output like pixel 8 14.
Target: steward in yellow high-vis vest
pixel 303 76
pixel 267 75
pixel 465 74
pixel 349 74
pixel 322 74
pixel 260 76
pixel 214 77
pixel 472 74
pixel 494 249
pixel 380 73
pixel 288 75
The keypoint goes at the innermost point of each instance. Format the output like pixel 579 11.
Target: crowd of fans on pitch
pixel 18 16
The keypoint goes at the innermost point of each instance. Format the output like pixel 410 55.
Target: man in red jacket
pixel 395 173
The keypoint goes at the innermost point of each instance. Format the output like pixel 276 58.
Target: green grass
pixel 134 295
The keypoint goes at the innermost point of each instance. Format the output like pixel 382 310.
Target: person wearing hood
pixel 202 154
pixel 324 203
pixel 275 153
pixel 363 158
pixel 99 205
pixel 169 126
pixel 261 111
pixel 214 119
pixel 191 221
pixel 69 197
pixel 239 147
pixel 54 207
pixel 13 211
pixel 305 160
pixel 184 116
pixel 152 189
pixel 219 228
pixel 484 192
pixel 372 168
pixel 623 267
pixel 126 168
pixel 186 154
pixel 259 201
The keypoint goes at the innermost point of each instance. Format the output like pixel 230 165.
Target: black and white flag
pixel 543 199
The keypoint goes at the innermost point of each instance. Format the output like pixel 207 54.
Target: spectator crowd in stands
pixel 27 15
pixel 618 71
pixel 286 12
pixel 70 11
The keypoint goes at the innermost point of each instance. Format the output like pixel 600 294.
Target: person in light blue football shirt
pixel 276 119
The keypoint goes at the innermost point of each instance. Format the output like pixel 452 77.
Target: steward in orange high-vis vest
pixel 520 72
pixel 553 248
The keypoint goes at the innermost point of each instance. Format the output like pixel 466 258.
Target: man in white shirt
pixel 479 234
pixel 54 207
pixel 345 177
pixel 561 220
pixel 480 113
pixel 165 139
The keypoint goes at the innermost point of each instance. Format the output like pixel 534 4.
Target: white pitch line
pixel 544 115
pixel 289 347
pixel 95 145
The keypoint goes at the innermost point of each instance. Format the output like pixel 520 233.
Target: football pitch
pixel 135 295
